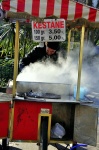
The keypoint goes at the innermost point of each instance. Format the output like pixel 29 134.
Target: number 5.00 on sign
pixel 49 30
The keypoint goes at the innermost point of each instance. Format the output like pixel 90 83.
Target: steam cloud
pixel 66 71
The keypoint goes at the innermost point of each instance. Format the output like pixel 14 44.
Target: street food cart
pixel 31 119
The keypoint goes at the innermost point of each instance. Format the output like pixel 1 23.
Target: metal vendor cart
pixel 31 119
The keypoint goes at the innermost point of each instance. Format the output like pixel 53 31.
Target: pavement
pixel 25 146
pixel 33 146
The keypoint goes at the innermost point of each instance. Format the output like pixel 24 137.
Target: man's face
pixel 50 51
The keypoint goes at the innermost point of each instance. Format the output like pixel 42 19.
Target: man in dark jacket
pixel 39 53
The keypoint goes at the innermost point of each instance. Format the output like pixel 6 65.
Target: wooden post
pixel 69 37
pixel 80 62
pixel 16 56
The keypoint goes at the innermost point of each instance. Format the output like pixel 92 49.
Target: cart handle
pixel 78 145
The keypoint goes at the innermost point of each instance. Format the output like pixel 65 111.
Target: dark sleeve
pixel 35 55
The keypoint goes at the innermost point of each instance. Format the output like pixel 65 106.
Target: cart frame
pixel 44 119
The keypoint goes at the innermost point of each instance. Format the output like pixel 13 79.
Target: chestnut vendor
pixel 41 53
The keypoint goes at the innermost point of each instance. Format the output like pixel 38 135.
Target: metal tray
pixel 41 87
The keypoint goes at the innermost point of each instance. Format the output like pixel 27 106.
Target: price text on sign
pixel 49 30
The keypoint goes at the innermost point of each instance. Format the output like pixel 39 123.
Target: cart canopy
pixel 67 9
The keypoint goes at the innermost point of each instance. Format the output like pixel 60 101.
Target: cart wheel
pixel 44 134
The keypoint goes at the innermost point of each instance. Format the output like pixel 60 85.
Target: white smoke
pixel 66 71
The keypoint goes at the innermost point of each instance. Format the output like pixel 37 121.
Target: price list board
pixel 49 30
